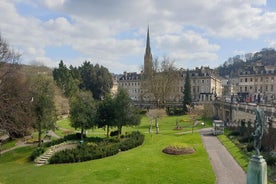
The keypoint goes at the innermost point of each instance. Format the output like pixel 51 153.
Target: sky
pixel 112 33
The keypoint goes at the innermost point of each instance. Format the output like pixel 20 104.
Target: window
pixel 245 80
pixel 271 88
pixel 240 80
pixel 251 79
pixel 202 81
pixel 245 89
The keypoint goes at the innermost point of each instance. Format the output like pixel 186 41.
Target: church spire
pixel 148 57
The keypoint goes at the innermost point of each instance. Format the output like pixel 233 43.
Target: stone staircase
pixel 43 159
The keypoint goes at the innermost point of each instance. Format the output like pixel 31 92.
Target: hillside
pixel 266 56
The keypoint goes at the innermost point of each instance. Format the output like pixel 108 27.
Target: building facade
pixel 205 86
pixel 257 83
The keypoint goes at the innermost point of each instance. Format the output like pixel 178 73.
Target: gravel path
pixel 226 168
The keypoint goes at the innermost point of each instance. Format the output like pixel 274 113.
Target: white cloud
pixel 183 30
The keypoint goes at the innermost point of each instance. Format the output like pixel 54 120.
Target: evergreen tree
pixel 106 114
pixel 64 80
pixel 126 113
pixel 187 100
pixel 96 79
pixel 83 111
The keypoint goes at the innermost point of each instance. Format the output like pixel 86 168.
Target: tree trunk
pixel 107 131
pixel 39 135
pixel 82 129
pixel 157 127
pixel 119 131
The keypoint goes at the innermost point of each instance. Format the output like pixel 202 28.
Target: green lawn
pixel 144 164
pixel 238 155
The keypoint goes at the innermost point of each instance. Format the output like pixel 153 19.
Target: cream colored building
pixel 257 83
pixel 205 86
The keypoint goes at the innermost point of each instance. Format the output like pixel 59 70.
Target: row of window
pixel 130 84
pixel 265 88
pixel 200 81
pixel 260 79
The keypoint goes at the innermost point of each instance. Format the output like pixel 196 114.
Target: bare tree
pixel 16 110
pixel 162 86
pixel 154 115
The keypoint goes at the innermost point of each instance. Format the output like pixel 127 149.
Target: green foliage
pixel 174 111
pixel 270 159
pixel 239 156
pixel 187 100
pixel 44 105
pixel 125 111
pixel 64 79
pixel 83 111
pixel 96 79
pixel 132 166
pixel 37 152
pixel 96 150
pixel 131 141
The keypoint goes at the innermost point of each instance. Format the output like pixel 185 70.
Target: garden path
pixel 226 168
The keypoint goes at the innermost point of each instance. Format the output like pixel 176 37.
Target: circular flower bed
pixel 178 149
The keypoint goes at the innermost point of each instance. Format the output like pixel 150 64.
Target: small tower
pixel 148 58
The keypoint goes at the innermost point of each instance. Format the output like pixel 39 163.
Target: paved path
pixel 226 168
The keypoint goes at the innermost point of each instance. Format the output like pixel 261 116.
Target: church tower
pixel 148 58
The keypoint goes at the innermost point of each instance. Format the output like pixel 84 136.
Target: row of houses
pixel 255 83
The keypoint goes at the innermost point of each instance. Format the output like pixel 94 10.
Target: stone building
pixel 205 86
pixel 257 83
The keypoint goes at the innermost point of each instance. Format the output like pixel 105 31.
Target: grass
pixel 238 155
pixel 8 145
pixel 144 164
pixel 241 158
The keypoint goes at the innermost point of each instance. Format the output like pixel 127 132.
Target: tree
pixel 162 84
pixel 187 100
pixel 16 116
pixel 96 79
pixel 83 111
pixel 106 114
pixel 16 112
pixel 7 55
pixel 126 113
pixel 44 105
pixel 64 80
pixel 154 115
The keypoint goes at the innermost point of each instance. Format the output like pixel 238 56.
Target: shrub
pixel 114 133
pixel 234 133
pixel 250 147
pixel 143 111
pixel 36 153
pixel 271 160
pixel 92 150
pixel 245 139
pixel 131 141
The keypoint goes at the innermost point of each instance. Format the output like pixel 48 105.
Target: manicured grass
pixel 238 155
pixel 8 145
pixel 144 164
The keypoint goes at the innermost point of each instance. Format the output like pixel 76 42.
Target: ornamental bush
pixel 96 150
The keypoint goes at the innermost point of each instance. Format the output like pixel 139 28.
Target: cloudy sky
pixel 113 32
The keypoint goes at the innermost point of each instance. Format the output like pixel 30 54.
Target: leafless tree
pixel 162 86
pixel 15 98
pixel 154 115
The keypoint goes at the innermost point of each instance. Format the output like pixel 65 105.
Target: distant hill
pixel 266 56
